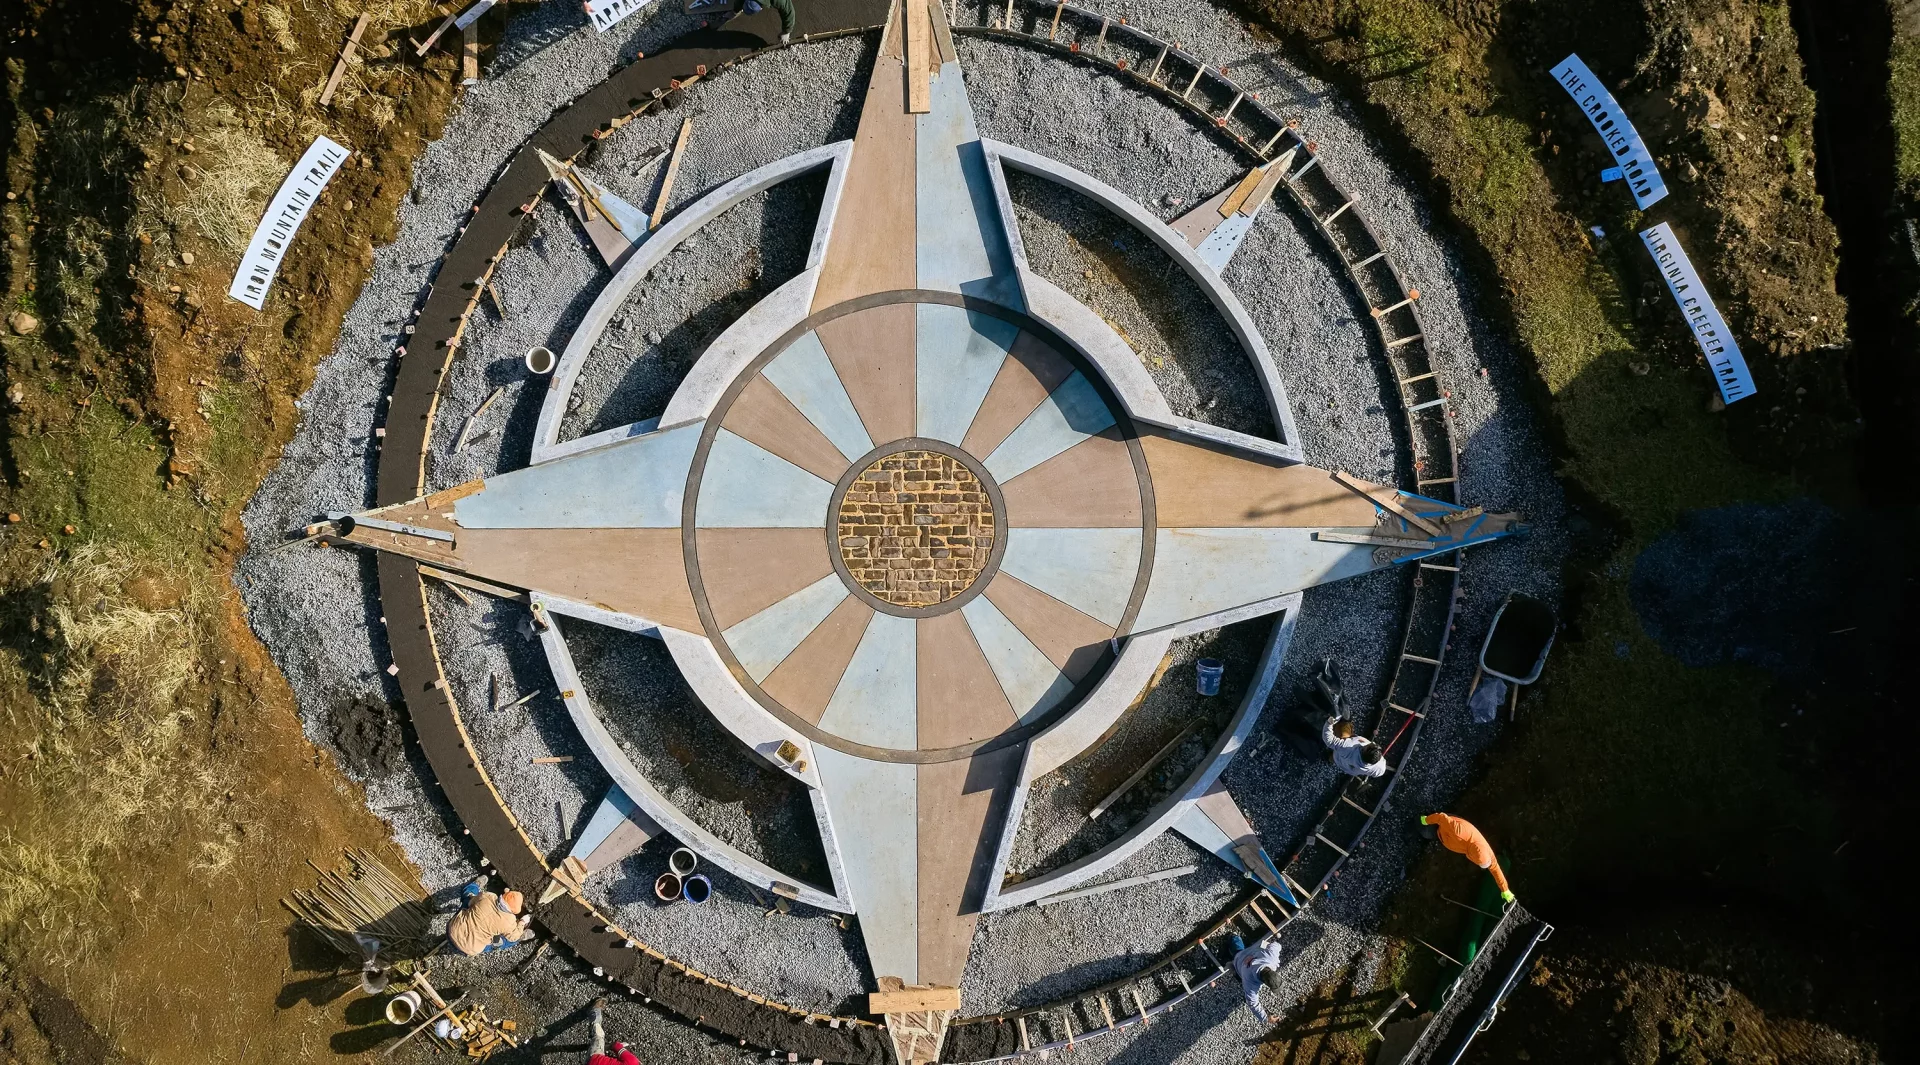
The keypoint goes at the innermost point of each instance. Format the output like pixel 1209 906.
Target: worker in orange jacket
pixel 1459 836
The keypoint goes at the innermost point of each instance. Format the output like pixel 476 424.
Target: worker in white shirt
pixel 1353 755
pixel 1257 965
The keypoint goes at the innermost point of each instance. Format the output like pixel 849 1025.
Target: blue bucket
pixel 1207 675
pixel 696 889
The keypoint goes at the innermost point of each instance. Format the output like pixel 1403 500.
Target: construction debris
pixel 466 428
pixel 346 56
pixel 363 910
pixel 613 224
pixel 673 171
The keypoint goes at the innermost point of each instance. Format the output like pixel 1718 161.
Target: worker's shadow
pixel 370 1025
pixel 567 1035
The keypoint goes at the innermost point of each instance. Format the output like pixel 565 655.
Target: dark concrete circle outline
pixel 689 528
pixel 987 484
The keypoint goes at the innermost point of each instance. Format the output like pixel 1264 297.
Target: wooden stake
pixel 466 429
pixel 470 53
pixel 553 759
pixel 434 37
pixel 673 171
pixel 346 56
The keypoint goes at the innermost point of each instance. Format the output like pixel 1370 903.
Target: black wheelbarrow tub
pixel 1517 644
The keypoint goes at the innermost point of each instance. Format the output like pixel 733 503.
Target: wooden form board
pixel 346 56
pixel 920 61
pixel 914 1000
pixel 673 171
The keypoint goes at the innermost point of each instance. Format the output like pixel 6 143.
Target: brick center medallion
pixel 915 528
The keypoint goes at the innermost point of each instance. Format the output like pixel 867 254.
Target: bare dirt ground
pixel 157 796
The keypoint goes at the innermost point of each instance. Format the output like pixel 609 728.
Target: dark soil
pixel 367 735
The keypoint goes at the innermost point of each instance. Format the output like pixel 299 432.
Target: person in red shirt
pixel 1459 836
pixel 622 1056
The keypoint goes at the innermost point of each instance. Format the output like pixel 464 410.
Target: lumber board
pixel 346 56
pixel 914 1000
pixel 919 58
pixel 673 171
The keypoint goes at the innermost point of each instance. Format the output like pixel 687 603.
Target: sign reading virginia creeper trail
pixel 1709 329
pixel 1610 121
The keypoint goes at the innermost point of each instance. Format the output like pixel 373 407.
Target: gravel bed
pixel 317 611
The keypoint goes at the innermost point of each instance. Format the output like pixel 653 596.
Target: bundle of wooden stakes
pixel 359 898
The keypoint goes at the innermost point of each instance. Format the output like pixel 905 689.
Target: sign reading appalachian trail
pixel 604 13
pixel 1709 329
pixel 1635 164
pixel 282 220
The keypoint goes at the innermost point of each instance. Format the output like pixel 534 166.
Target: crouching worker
pixel 1256 966
pixel 1353 755
pixel 488 922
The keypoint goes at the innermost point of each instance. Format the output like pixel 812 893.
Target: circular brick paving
pixel 916 528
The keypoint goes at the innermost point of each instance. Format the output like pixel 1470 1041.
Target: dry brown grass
pixel 227 195
pixel 115 762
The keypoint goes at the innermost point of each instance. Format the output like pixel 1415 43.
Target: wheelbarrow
pixel 1517 645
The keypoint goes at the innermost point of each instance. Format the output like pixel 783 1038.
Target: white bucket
pixel 682 862
pixel 402 1007
pixel 540 361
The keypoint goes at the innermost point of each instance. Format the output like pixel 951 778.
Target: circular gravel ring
pixel 982 573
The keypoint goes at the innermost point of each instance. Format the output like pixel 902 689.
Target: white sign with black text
pixel 604 13
pixel 1635 164
pixel 282 220
pixel 1709 329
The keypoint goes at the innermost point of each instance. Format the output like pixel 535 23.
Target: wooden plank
pixel 914 1000
pixel 673 171
pixel 470 53
pixel 1385 497
pixel 1138 775
pixel 434 37
pixel 1377 541
pixel 1241 191
pixel 1263 192
pixel 919 58
pixel 346 56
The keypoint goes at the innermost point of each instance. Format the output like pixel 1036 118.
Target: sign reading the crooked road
pixel 1610 121
pixel 1709 329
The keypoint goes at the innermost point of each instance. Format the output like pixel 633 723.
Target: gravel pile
pixel 318 613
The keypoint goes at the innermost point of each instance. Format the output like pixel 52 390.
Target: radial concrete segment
pixel 959 356
pixel 1031 371
pixel 1069 414
pixel 627 777
pixel 746 486
pixel 1092 483
pixel 1170 810
pixel 1030 681
pixel 656 247
pixel 763 415
pixel 1181 252
pixel 1091 570
pixel 805 375
pixel 875 702
pixel 764 640
pixel 738 344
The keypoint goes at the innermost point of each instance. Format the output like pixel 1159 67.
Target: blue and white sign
pixel 282 220
pixel 1636 165
pixel 1709 329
